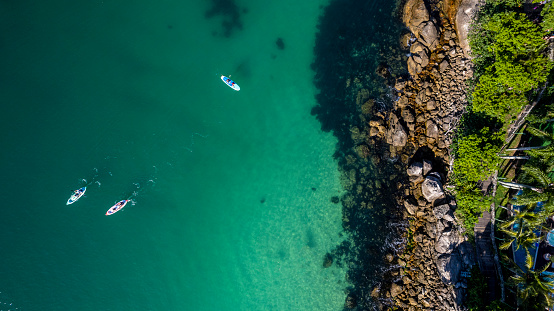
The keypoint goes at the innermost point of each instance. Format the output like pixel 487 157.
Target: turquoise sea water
pixel 232 208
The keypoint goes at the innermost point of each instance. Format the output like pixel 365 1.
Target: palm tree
pixel 524 236
pixel 534 289
pixel 547 138
pixel 533 174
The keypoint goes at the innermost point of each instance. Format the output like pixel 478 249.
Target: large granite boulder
pixel 441 210
pixel 447 241
pixel 396 135
pixel 464 17
pixel 431 129
pixel 431 188
pixel 415 13
pixel 414 65
pixel 417 19
pixel 449 266
pixel 415 169
pixel 429 35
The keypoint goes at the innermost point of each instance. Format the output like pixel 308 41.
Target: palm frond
pixel 539 133
pixel 506 244
pixel 537 174
pixel 541 153
pixel 507 224
pixel 531 198
pixel 528 259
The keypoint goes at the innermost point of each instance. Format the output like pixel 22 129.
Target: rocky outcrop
pixel 438 253
pixel 425 115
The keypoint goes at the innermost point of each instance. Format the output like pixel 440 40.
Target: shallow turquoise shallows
pixel 231 190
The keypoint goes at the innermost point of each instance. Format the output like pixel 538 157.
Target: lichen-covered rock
pixel 431 188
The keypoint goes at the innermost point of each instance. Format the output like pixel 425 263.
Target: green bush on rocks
pixel 510 57
pixel 476 157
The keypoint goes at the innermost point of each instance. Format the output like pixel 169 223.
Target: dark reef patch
pixel 280 44
pixel 230 12
pixel 357 55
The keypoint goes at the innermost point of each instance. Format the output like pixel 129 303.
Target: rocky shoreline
pixel 395 127
pixel 419 132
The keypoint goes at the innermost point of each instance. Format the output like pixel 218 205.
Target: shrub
pixel 476 157
pixel 493 98
pixel 548 17
pixel 471 203
pixel 509 64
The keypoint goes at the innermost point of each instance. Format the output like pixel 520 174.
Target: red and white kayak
pixel 118 206
pixel 77 194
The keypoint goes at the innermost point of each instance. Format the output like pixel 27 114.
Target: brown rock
pixel 431 104
pixel 414 67
pixel 350 302
pixel 395 289
pixel 429 35
pixel 415 13
pixel 431 129
pixel 443 65
pixel 407 115
pixel 410 208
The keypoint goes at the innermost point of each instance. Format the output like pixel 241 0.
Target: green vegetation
pixel 510 64
pixel 547 14
pixel 477 157
pixel 510 67
pixel 471 204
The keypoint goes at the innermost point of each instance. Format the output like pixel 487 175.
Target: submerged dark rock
pixel 229 12
pixel 350 302
pixel 327 260
pixel 280 44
